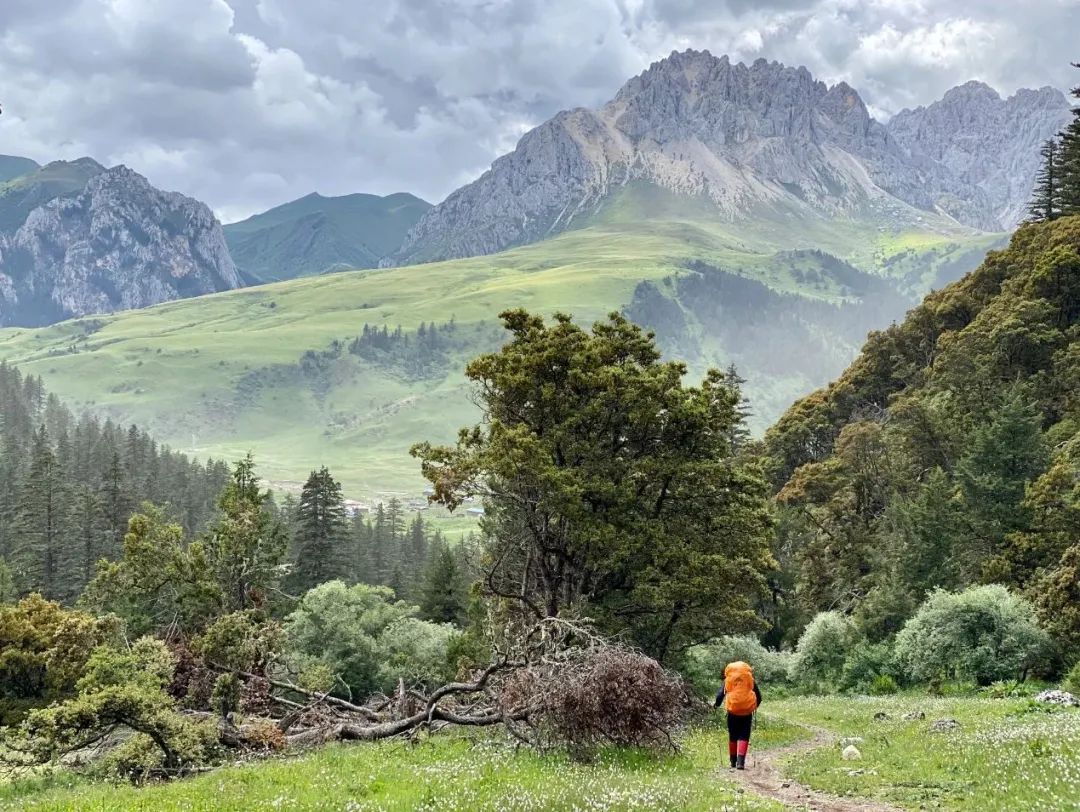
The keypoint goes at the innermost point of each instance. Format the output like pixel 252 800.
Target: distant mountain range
pixel 316 234
pixel 753 141
pixel 694 138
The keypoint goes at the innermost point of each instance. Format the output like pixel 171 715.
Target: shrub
pixel 822 650
pixel 981 634
pixel 1072 680
pixel 865 663
pixel 704 664
pixel 883 685
pixel 365 638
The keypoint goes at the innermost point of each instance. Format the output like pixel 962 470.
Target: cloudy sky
pixel 249 103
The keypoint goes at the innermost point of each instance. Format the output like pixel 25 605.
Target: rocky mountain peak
pixel 113 242
pixel 747 138
pixel 990 143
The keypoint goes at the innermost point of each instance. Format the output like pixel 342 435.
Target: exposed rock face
pixel 118 244
pixel 988 142
pixel 748 139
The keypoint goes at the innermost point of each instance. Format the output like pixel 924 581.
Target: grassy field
pixel 223 375
pixel 1005 754
pixel 442 773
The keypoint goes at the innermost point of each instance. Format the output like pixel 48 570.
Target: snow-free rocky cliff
pixel 754 140
pixel 113 243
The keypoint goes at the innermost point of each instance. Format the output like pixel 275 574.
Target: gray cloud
pixel 248 103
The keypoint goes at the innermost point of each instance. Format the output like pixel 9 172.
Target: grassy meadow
pixel 1006 754
pixel 448 772
pixel 221 375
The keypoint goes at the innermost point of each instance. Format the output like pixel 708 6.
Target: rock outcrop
pixel 988 142
pixel 763 139
pixel 117 244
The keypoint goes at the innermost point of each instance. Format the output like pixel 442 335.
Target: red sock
pixel 743 746
pixel 731 748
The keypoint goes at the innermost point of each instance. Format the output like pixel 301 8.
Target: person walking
pixel 740 696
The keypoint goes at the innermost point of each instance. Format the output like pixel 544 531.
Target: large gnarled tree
pixel 611 489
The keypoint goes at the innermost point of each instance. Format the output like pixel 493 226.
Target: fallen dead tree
pixel 556 684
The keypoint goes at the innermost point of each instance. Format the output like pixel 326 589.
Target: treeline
pixel 69 485
pixel 387 548
pixel 1057 187
pixel 418 354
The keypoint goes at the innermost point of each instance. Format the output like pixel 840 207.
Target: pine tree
pixel 246 546
pixel 1070 161
pixel 443 595
pixel 1046 197
pixel 116 506
pixel 40 556
pixel 321 548
pixel 89 530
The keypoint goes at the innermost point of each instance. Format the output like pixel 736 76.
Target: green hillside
pixel 316 234
pixel 258 369
pixel 12 166
pixel 24 193
pixel 948 453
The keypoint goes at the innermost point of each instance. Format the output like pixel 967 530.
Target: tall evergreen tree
pixel 1070 161
pixel 40 555
pixel 245 547
pixel 1046 197
pixel 444 593
pixel 321 542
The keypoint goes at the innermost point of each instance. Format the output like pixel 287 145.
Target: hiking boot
pixel 734 759
pixel 740 762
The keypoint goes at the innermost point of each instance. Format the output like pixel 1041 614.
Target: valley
pixel 224 374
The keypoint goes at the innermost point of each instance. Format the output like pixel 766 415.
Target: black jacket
pixel 720 696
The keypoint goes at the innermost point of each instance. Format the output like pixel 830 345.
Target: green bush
pixel 980 635
pixel 883 685
pixel 865 664
pixel 704 665
pixel 822 651
pixel 1072 680
pixel 365 638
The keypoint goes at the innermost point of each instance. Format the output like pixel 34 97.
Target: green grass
pixel 1004 755
pixel 184 370
pixel 445 772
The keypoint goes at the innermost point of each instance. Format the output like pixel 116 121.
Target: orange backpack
pixel 739 689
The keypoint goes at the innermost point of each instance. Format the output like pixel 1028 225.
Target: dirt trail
pixel 764 777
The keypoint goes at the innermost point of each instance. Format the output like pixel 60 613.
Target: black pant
pixel 738 727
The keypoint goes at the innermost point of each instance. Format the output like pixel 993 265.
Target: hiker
pixel 740 696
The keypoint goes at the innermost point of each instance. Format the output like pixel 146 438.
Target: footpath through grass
pixel 447 772
pixel 1007 753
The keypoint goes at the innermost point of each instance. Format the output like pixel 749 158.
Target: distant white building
pixel 476 513
pixel 354 508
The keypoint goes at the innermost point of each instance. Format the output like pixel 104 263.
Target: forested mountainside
pixel 77 238
pixel 68 486
pixel 317 234
pixel 948 454
pixel 751 142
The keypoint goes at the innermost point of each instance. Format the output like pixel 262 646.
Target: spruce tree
pixel 1070 161
pixel 1045 199
pixel 321 548
pixel 245 548
pixel 443 595
pixel 40 556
